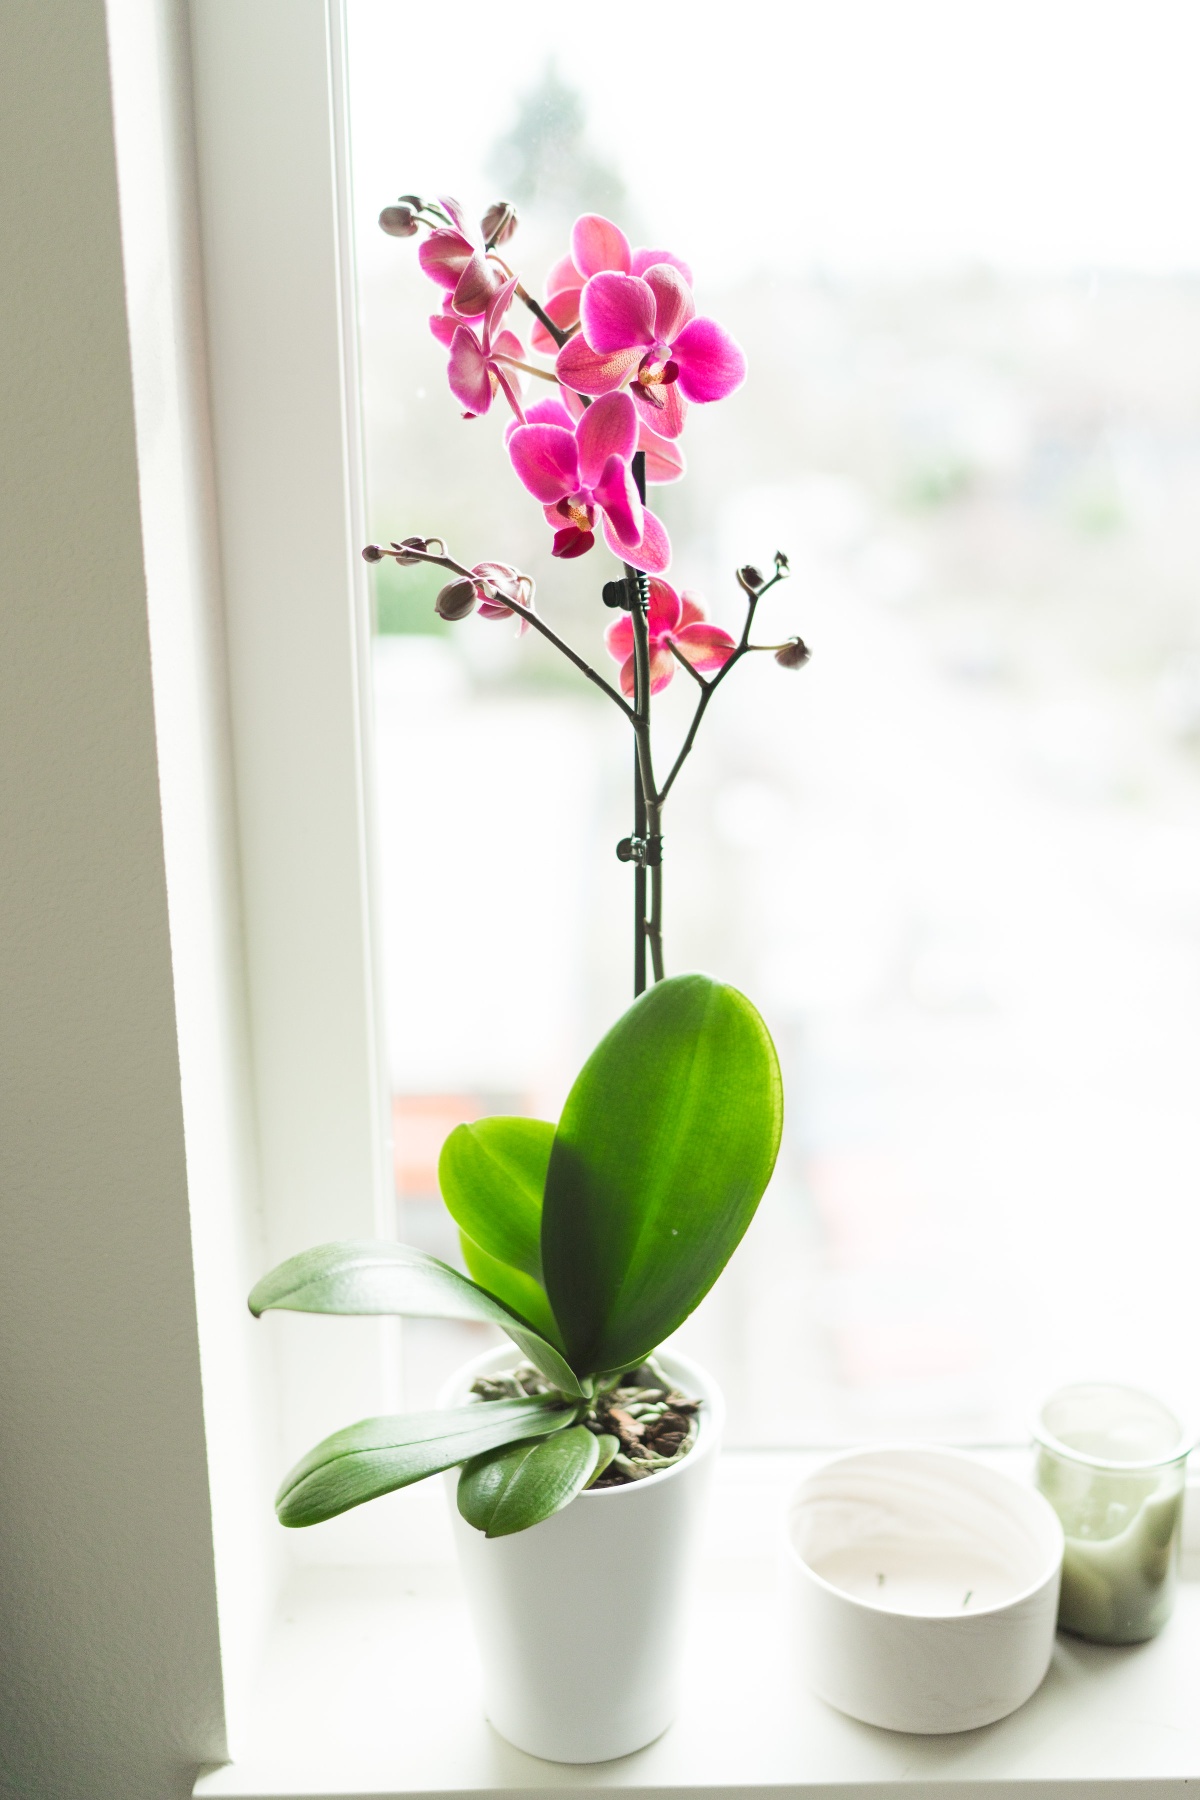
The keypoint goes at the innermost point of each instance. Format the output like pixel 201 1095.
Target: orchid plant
pixel 630 356
pixel 588 1242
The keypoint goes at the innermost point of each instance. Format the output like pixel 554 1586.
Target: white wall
pixel 110 1679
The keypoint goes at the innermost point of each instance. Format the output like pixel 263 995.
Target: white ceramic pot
pixel 580 1620
pixel 924 1588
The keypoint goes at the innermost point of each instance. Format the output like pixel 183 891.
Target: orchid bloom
pixel 450 258
pixel 444 324
pixel 673 620
pixel 477 362
pixel 665 461
pixel 643 329
pixel 596 245
pixel 580 468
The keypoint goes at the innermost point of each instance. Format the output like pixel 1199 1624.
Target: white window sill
pixel 370 1688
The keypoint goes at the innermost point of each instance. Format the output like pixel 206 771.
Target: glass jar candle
pixel 1112 1462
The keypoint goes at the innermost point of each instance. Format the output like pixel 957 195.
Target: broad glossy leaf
pixel 377 1455
pixel 492 1175
pixel 511 1489
pixel 521 1292
pixel 664 1148
pixel 609 1446
pixel 378 1276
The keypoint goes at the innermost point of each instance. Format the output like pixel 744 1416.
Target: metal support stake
pixel 641 703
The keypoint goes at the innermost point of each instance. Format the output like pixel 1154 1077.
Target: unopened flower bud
pixel 456 600
pixel 411 543
pixel 793 655
pixel 399 220
pixel 413 200
pixel 782 565
pixel 372 553
pixel 751 578
pixel 499 222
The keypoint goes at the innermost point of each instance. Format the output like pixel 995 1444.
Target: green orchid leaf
pixel 511 1489
pixel 492 1175
pixel 609 1446
pixel 666 1143
pixel 521 1292
pixel 377 1455
pixel 379 1276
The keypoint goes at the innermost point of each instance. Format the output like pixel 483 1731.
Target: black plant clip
pixel 646 852
pixel 625 593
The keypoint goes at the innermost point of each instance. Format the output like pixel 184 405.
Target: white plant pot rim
pixel 710 1420
pixel 1038 1504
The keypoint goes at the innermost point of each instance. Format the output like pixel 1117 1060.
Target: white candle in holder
pixel 1112 1461
pixel 924 1588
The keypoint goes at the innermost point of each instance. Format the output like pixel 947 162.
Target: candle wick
pixel 967 1595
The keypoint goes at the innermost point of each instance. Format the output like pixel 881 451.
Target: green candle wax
pixel 1122 1546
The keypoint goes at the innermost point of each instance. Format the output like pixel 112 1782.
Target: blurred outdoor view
pixel 956 860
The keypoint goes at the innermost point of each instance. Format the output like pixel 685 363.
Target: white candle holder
pixel 924 1588
pixel 1113 1463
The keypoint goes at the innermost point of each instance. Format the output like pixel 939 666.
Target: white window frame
pixel 272 173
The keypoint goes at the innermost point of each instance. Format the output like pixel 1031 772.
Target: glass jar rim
pixel 1184 1444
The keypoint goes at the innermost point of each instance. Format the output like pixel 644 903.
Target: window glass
pixel 955 860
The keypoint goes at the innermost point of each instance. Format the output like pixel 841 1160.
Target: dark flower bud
pixel 751 578
pixel 456 600
pixel 399 220
pixel 411 543
pixel 372 553
pixel 793 655
pixel 499 222
pixel 413 200
pixel 782 565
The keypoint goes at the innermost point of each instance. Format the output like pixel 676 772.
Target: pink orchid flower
pixel 665 461
pixel 643 329
pixel 596 245
pixel 580 468
pixel 444 324
pixel 477 368
pixel 564 284
pixel 450 258
pixel 676 620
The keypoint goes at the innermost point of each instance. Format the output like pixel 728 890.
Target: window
pixel 956 861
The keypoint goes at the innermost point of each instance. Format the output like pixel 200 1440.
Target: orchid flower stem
pixel 542 316
pixel 709 688
pixel 514 362
pixel 534 619
pixel 649 800
pixel 683 662
pixel 647 823
pixel 648 807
